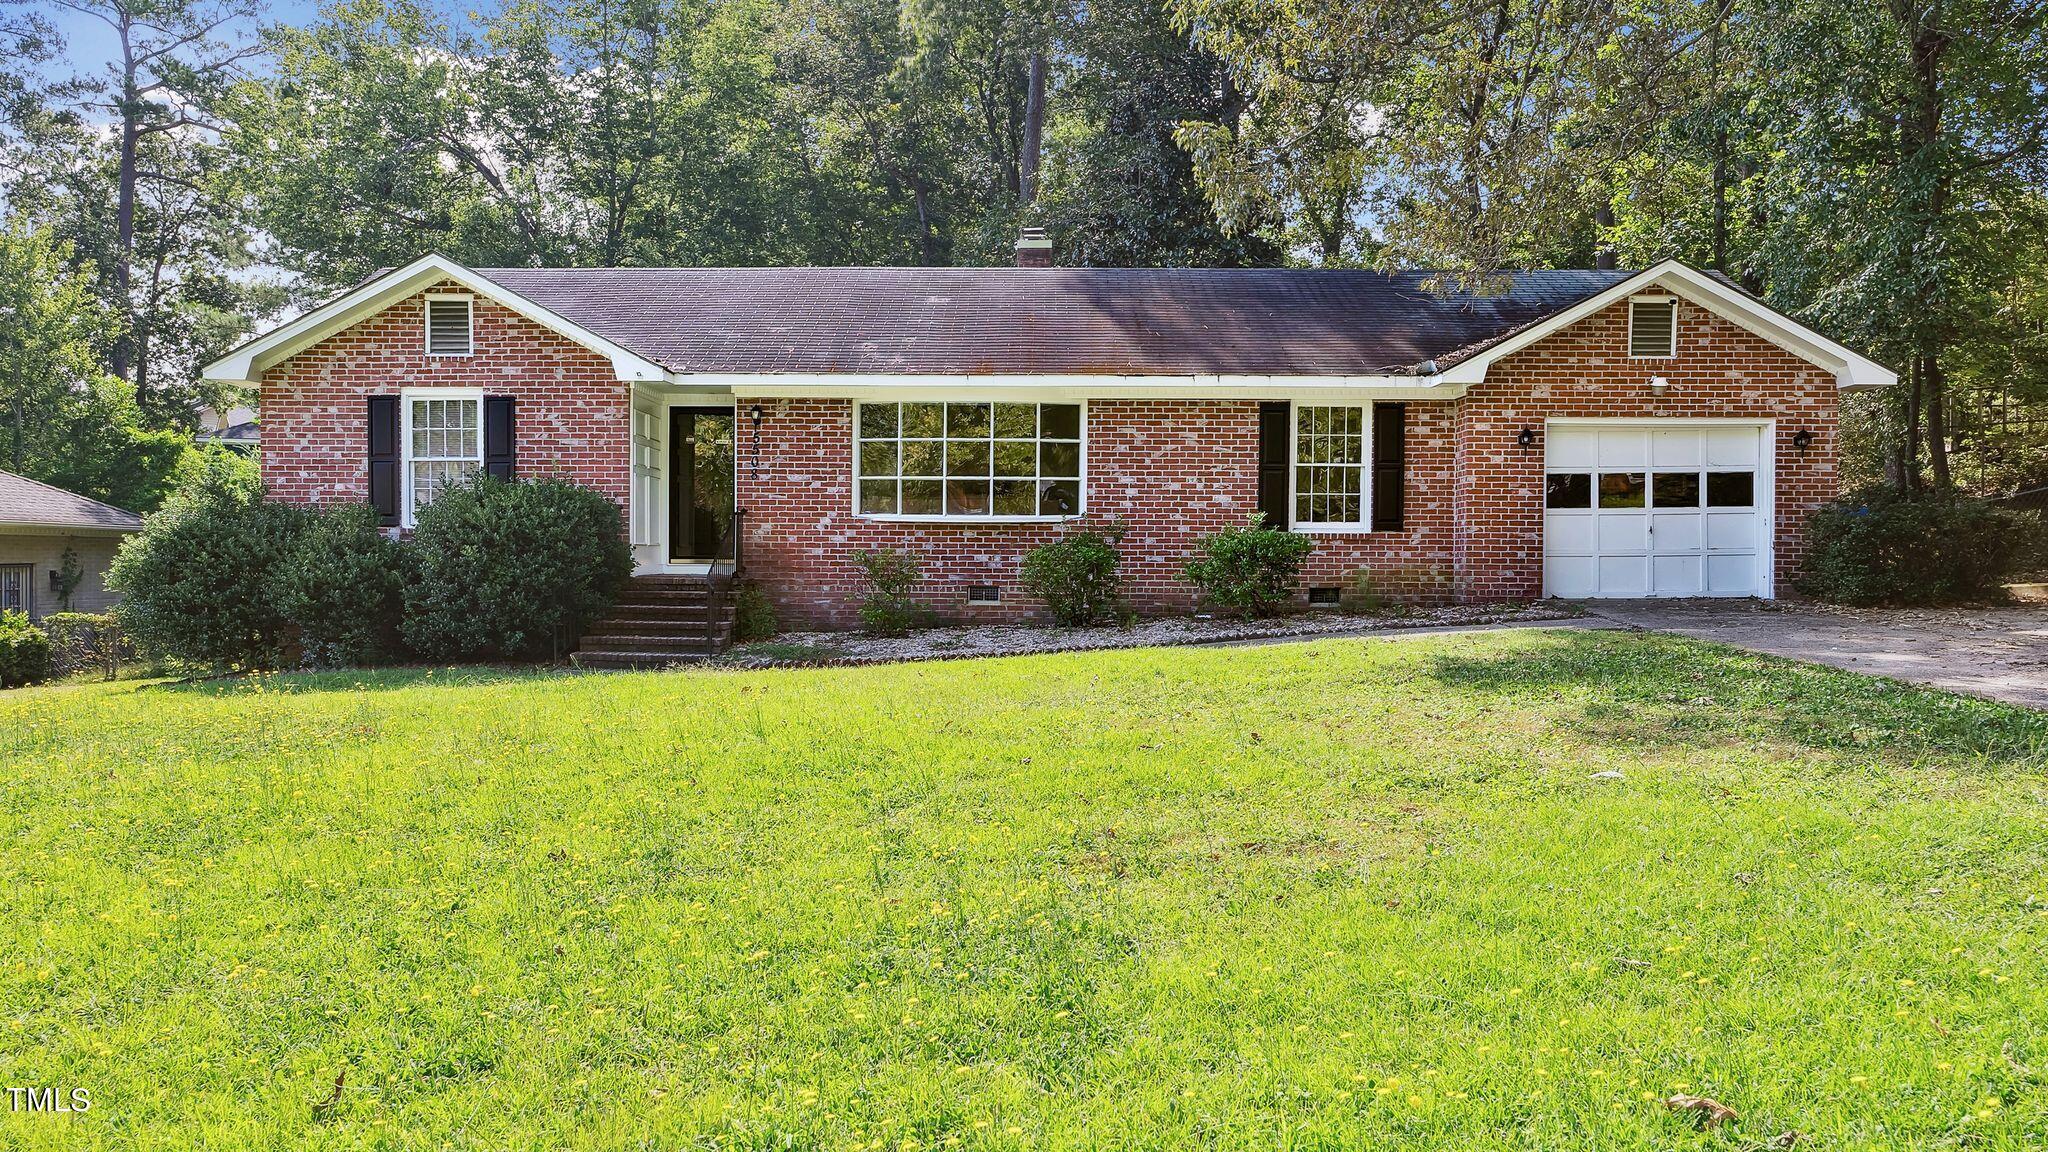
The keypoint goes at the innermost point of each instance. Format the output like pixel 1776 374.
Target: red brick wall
pixel 571 410
pixel 1172 471
pixel 1721 370
pixel 1177 470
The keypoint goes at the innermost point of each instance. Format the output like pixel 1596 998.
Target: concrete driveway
pixel 2001 653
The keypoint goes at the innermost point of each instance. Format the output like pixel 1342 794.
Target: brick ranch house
pixel 1584 434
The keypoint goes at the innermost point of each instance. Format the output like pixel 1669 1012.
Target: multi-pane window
pixel 969 459
pixel 1330 464
pixel 444 444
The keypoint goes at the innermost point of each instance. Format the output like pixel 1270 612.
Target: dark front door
pixel 700 469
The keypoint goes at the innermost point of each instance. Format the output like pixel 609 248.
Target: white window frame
pixel 1080 511
pixel 1294 470
pixel 427 316
pixel 1672 302
pixel 406 397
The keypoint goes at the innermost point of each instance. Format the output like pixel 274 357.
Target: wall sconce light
pixel 1659 384
pixel 755 414
pixel 1803 439
pixel 1526 437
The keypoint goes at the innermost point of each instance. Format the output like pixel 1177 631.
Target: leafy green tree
pixel 1119 189
pixel 1908 159
pixel 65 420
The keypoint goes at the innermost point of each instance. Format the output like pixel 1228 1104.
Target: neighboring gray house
pixel 38 523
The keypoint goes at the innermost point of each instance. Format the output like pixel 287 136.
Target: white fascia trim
pixel 908 386
pixel 247 363
pixel 1850 369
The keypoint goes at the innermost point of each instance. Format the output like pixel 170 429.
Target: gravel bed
pixel 811 649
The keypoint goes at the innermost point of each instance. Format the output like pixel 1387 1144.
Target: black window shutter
pixel 498 439
pixel 1389 464
pixel 1273 439
pixel 383 445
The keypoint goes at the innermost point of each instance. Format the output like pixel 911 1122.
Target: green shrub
pixel 753 617
pixel 886 609
pixel 340 587
pixel 1077 578
pixel 511 569
pixel 197 583
pixel 85 642
pixel 24 651
pixel 1886 547
pixel 1249 571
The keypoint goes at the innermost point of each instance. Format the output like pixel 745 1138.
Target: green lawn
pixel 1336 895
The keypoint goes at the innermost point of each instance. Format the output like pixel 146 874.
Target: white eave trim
pixel 1019 386
pixel 247 363
pixel 1849 369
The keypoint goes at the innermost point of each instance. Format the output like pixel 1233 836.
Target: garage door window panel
pixel 1621 490
pixel 1731 489
pixel 1676 490
pixel 1568 490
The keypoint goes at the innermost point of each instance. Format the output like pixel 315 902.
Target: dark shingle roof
pixel 1094 321
pixel 33 503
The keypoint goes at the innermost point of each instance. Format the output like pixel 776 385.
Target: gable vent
pixel 448 326
pixel 1653 328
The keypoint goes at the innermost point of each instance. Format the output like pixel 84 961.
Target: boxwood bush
pixel 1249 571
pixel 24 651
pixel 198 583
pixel 339 586
pixel 1882 546
pixel 511 569
pixel 1077 578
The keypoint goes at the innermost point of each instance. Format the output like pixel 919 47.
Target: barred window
pixel 969 460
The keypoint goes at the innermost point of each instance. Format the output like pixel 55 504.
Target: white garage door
pixel 1671 508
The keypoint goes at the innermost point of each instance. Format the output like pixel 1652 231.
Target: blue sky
pixel 89 43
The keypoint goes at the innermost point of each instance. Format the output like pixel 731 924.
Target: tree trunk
pixel 1603 247
pixel 120 358
pixel 1909 441
pixel 1933 384
pixel 1720 256
pixel 1034 130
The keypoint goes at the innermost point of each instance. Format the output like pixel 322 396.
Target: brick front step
pixel 658 621
pixel 636 619
pixel 628 661
pixel 662 642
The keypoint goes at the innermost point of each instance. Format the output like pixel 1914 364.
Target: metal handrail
pixel 715 588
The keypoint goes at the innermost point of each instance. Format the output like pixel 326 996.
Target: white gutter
pixel 1019 386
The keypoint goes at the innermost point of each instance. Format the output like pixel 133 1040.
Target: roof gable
pixel 1850 369
pixel 247 363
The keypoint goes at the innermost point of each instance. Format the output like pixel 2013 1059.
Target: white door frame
pixel 667 405
pixel 1766 472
